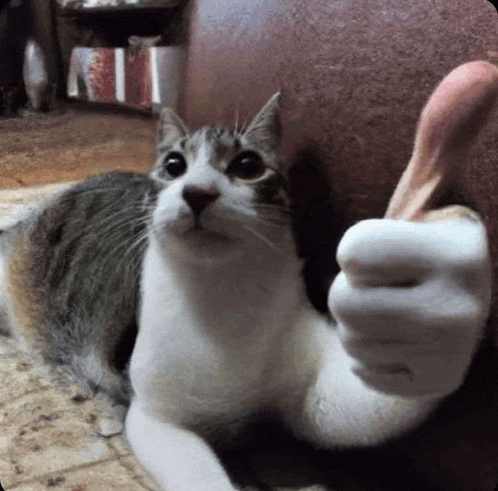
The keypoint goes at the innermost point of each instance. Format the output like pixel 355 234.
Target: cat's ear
pixel 265 130
pixel 170 128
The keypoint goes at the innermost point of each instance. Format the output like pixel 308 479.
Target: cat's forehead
pixel 217 141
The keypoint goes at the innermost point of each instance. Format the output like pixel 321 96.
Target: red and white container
pixel 144 78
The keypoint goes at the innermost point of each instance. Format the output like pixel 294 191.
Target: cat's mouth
pixel 205 235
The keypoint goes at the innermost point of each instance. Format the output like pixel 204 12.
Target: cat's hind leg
pixel 10 216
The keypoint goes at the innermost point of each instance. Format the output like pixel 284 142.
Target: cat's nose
pixel 199 198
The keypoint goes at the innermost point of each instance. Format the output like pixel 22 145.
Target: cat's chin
pixel 204 246
pixel 203 237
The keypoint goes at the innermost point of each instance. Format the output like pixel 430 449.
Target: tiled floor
pixel 51 434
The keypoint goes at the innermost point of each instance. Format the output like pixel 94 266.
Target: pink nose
pixel 199 198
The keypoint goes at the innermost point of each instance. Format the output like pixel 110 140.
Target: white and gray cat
pixel 200 255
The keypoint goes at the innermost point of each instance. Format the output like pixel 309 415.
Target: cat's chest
pixel 205 351
pixel 234 306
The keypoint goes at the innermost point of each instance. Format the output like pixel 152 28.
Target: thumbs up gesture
pixel 414 291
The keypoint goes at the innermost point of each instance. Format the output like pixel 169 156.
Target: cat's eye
pixel 175 164
pixel 247 165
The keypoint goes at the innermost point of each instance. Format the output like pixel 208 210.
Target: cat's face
pixel 224 190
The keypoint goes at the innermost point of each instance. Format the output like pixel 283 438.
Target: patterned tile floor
pixel 52 436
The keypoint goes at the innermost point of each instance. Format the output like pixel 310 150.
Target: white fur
pixel 222 339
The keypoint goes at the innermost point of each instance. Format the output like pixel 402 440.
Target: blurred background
pixel 98 50
pixel 80 82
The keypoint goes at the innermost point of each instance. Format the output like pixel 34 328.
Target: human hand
pixel 412 300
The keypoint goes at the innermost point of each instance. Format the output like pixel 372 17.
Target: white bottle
pixel 35 75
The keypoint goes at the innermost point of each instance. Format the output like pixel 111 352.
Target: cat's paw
pixel 411 302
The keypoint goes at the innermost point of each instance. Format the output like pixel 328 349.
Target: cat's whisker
pixel 276 209
pixel 137 237
pixel 243 128
pixel 124 223
pixel 236 129
pixel 271 205
pixel 120 234
pixel 275 221
pixel 111 222
pixel 138 249
pixel 130 271
pixel 95 192
pixel 125 237
pixel 261 237
pixel 116 242
pixel 127 206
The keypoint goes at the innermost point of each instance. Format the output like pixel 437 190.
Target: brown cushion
pixel 355 76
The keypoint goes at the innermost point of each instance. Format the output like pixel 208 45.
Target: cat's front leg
pixel 176 458
pixel 412 301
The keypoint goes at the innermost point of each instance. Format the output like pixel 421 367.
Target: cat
pixel 73 276
pixel 199 254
